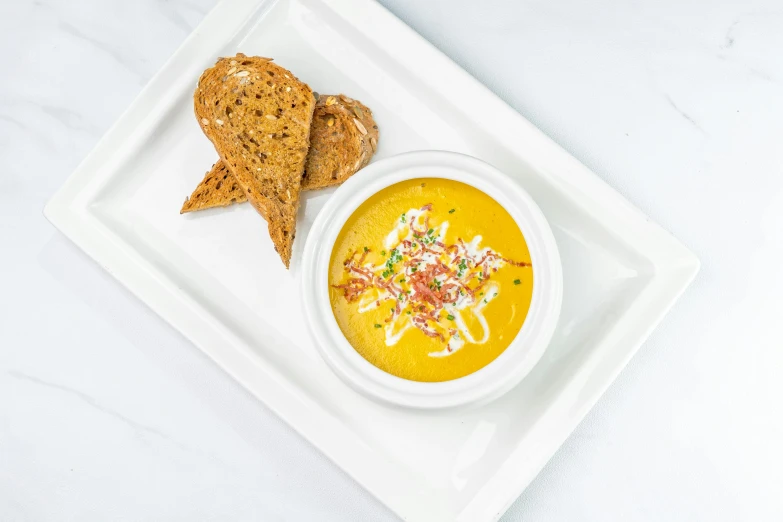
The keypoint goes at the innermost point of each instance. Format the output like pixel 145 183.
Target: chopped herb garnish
pixel 485 301
pixel 366 249
pixel 450 317
pixel 385 274
pixel 377 325
pixel 517 282
pixel 402 218
pixel 408 312
pixel 452 210
pixel 430 231
pixel 394 257
pixel 463 265
pixel 413 269
pixel 383 252
pixel 496 294
pixel 481 293
pixel 401 280
pixel 401 297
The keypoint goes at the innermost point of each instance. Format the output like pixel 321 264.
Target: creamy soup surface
pixel 430 280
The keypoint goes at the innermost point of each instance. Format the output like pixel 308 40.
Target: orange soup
pixel 430 280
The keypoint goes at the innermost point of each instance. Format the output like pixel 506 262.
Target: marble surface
pixel 106 413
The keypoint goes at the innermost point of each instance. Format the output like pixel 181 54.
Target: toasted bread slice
pixel 258 115
pixel 343 139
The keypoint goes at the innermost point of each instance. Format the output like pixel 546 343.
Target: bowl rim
pixel 486 383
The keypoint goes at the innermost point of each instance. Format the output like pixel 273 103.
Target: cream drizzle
pixel 395 329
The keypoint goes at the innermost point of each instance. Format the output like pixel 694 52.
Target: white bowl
pixel 509 367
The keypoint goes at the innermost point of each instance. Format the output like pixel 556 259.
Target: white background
pixel 106 414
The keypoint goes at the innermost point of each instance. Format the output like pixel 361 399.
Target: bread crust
pixel 258 116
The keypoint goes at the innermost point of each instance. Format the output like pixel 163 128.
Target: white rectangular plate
pixel 215 277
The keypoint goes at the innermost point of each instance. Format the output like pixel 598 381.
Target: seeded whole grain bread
pixel 343 139
pixel 258 115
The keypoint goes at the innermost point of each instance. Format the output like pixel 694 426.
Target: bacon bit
pixel 428 332
pixel 515 263
pixel 352 289
pixel 469 290
pixel 428 295
pixel 388 285
pixel 450 298
pixel 427 207
pixel 426 248
pixel 446 270
pixel 494 255
pixel 426 222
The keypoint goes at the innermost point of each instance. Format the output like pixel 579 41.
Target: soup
pixel 430 280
